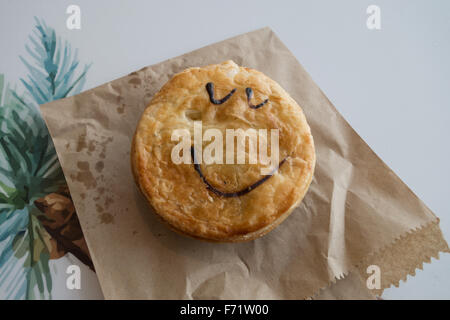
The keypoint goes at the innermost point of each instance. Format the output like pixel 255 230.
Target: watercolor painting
pixel 38 221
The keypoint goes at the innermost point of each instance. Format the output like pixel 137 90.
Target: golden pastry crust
pixel 176 191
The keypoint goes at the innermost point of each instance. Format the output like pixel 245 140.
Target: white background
pixel 391 85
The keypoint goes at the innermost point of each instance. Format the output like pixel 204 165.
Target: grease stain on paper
pixel 108 201
pixel 106 218
pixel 84 175
pixel 103 146
pixel 83 144
pixel 99 166
pixel 90 145
pixel 135 81
pixel 121 109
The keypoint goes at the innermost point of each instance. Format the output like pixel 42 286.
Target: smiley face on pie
pixel 222 201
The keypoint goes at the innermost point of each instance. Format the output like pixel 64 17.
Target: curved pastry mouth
pixel 239 193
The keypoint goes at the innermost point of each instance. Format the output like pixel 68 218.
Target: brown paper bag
pixel 357 211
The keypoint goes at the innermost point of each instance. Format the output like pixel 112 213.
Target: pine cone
pixel 60 220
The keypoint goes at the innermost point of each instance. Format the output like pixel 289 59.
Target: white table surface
pixel 392 85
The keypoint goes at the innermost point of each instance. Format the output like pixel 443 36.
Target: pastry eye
pixel 210 89
pixel 249 93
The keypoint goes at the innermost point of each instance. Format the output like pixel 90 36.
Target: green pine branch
pixel 29 167
pixel 53 71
